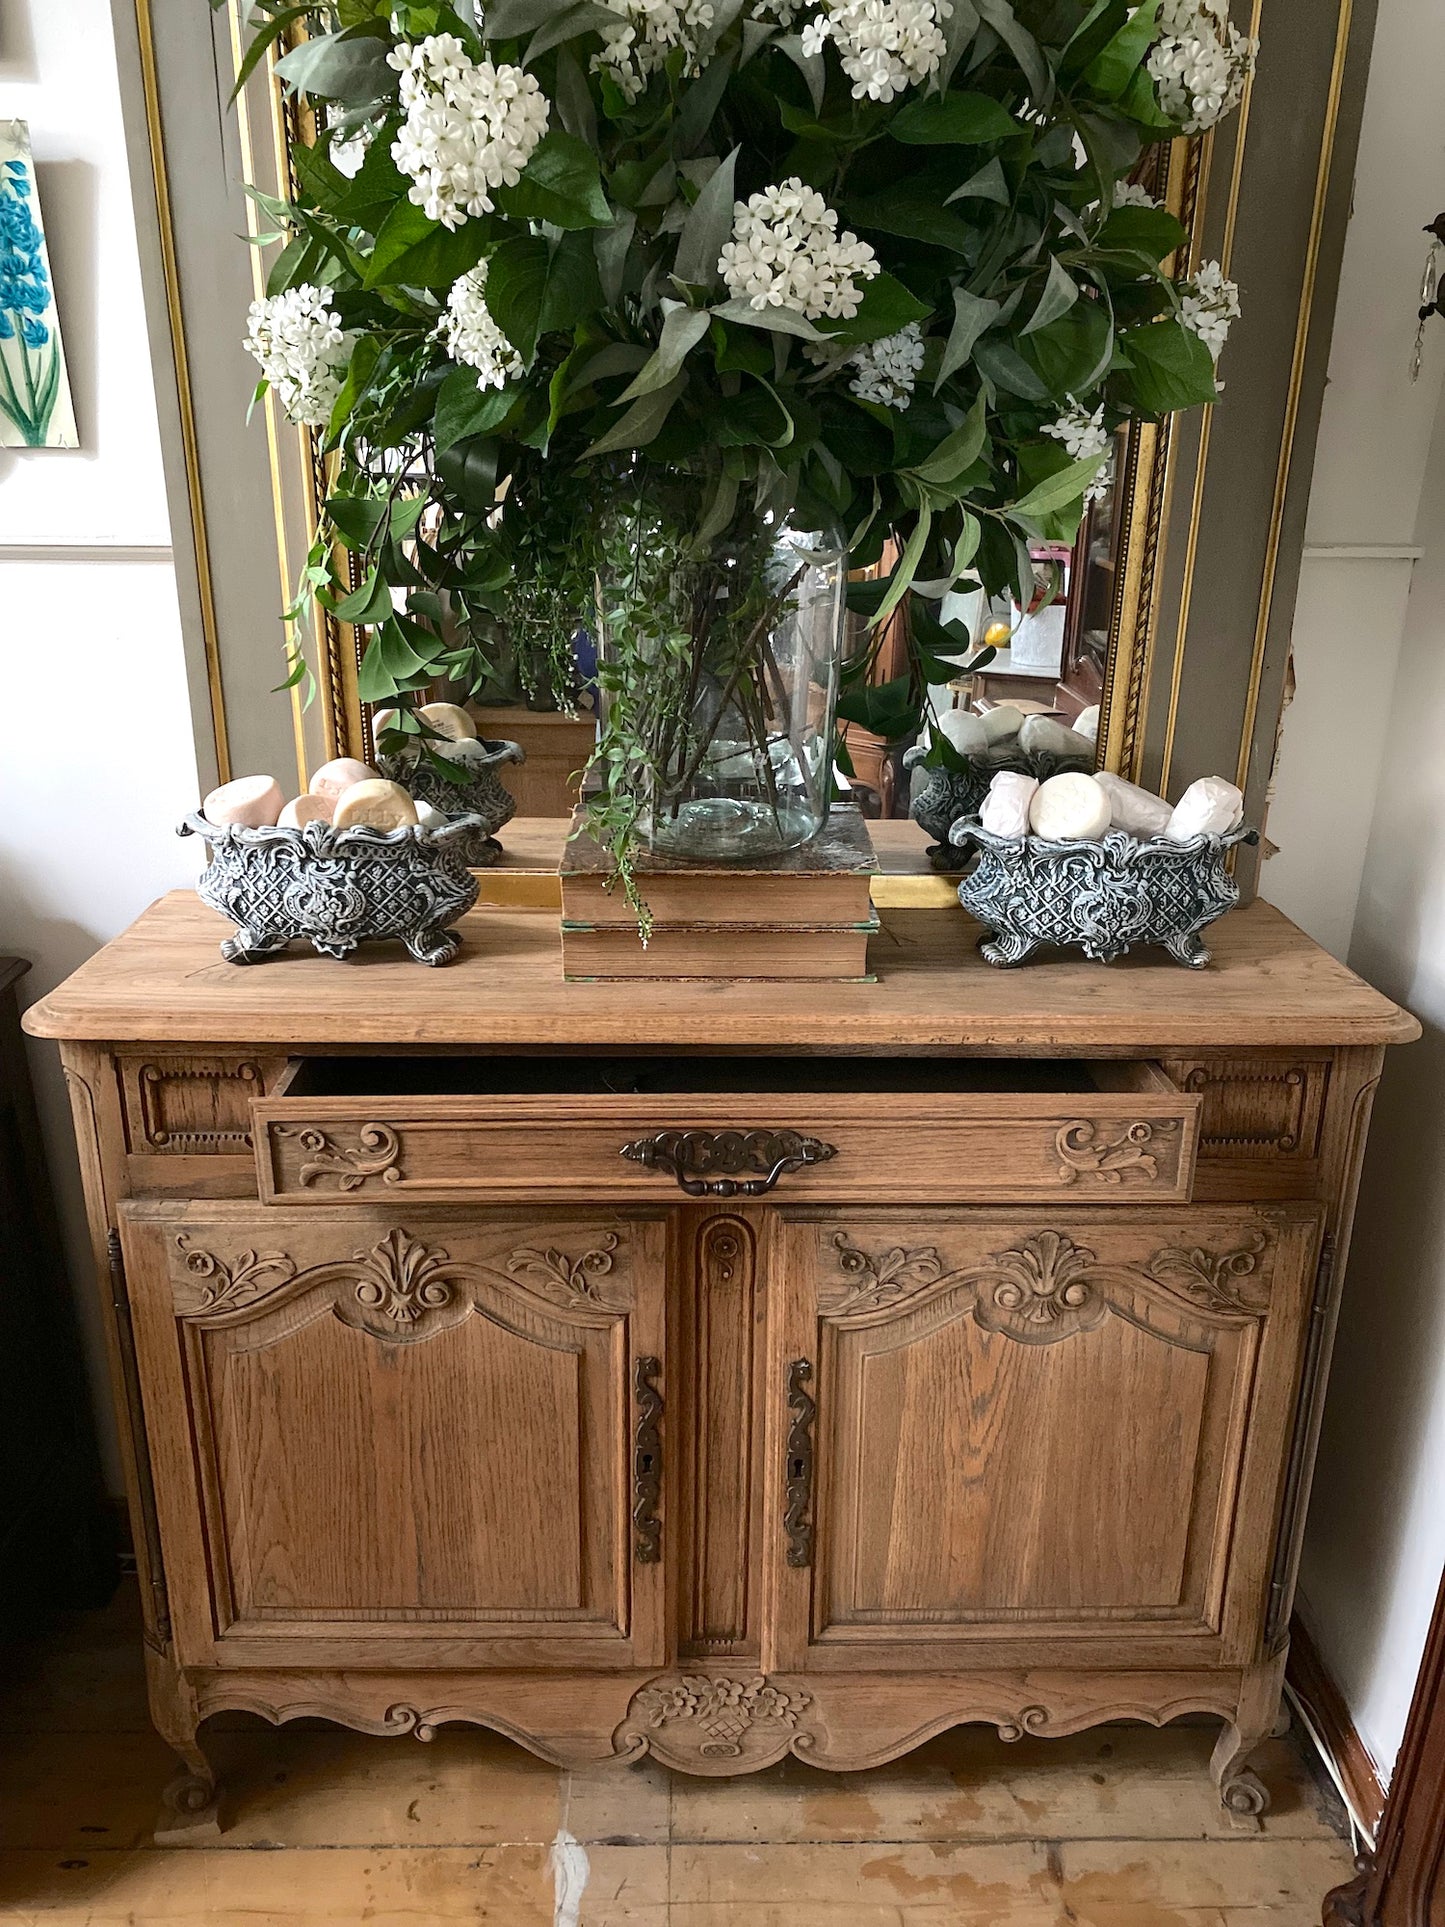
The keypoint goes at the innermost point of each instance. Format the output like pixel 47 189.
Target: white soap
pixel 1002 724
pixel 1071 808
pixel 381 721
pixel 449 720
pixel 429 816
pixel 306 809
pixel 1087 722
pixel 466 749
pixel 1005 809
pixel 332 778
pixel 964 731
pixel 1208 807
pixel 1043 736
pixel 252 802
pixel 1140 812
pixel 377 804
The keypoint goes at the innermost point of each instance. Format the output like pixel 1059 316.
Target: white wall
pixel 1359 816
pixel 89 627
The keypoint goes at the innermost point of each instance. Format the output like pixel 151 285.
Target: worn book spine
pixel 761 952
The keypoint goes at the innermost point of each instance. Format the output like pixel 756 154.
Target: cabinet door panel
pixel 1075 1430
pixel 379 1441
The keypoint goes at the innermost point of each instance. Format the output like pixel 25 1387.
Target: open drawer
pixel 888 1130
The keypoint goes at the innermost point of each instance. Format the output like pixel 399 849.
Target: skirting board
pixel 1313 1686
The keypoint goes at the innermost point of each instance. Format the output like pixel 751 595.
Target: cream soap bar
pixel 249 802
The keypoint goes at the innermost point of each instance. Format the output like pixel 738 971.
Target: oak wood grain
pixel 1268 987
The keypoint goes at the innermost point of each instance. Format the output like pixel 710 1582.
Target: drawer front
pixel 1104 1147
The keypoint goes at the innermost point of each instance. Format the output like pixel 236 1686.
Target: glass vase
pixel 719 668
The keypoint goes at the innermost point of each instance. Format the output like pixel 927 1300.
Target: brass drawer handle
pixel 647 1463
pixel 797 1510
pixel 691 1155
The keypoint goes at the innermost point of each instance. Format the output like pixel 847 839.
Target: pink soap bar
pixel 253 802
pixel 332 778
pixel 306 809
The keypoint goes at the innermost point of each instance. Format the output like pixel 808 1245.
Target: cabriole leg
pixel 189 1812
pixel 1243 1793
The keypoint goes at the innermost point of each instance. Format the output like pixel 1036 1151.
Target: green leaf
pixel 1112 69
pixel 810 66
pixel 574 100
pixel 464 408
pixel 958 32
pixel 586 17
pixel 469 469
pixel 912 217
pixel 370 603
pixel 559 184
pixel 962 120
pixel 972 313
pixel 958 451
pixel 756 418
pixel 907 566
pixel 1151 232
pixel 642 422
pixel 1058 490
pixel 265 35
pixel 999 15
pixel 1008 370
pixel 510 19
pixel 1169 367
pixel 707 227
pixel 1059 295
pixel 533 287
pixel 356 518
pixel 886 709
pixel 886 307
pixel 1094 31
pixel 988 184
pixel 1072 355
pixel 682 329
pixel 778 321
pixel 346 66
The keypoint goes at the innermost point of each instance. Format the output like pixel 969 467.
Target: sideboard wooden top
pixel 163 981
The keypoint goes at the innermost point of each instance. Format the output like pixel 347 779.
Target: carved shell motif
pixel 1038 1291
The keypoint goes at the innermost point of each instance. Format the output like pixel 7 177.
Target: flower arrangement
pixel 30 364
pixel 579 295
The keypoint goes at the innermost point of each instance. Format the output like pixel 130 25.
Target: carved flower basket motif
pixel 1104 898
pixel 481 793
pixel 337 888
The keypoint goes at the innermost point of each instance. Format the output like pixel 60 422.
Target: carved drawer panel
pixel 1257 1107
pixel 1107 1133
pixel 188 1106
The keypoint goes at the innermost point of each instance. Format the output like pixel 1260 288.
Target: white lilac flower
pixel 786 252
pixel 785 12
pixel 645 34
pixel 885 371
pixel 297 338
pixel 1084 437
pixel 885 45
pixel 470 126
pixel 1200 62
pixel 472 337
pixel 1130 194
pixel 1208 305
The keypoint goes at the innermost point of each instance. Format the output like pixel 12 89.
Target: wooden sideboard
pixel 718 1371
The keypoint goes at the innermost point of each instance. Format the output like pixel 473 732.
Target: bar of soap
pixel 250 802
pixel 964 731
pixel 1043 736
pixel 306 809
pixel 1071 808
pixel 1005 809
pixel 429 816
pixel 1208 807
pixel 449 720
pixel 1138 811
pixel 332 778
pixel 1001 725
pixel 381 721
pixel 375 803
pixel 1086 723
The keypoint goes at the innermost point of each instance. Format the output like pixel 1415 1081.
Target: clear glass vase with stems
pixel 721 627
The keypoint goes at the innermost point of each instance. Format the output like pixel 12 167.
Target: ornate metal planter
pixel 1104 898
pixel 337 888
pixel 948 795
pixel 482 795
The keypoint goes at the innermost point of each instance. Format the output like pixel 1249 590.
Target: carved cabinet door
pixel 378 1441
pixel 1009 1438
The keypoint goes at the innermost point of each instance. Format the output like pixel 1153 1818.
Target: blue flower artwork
pixel 35 405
